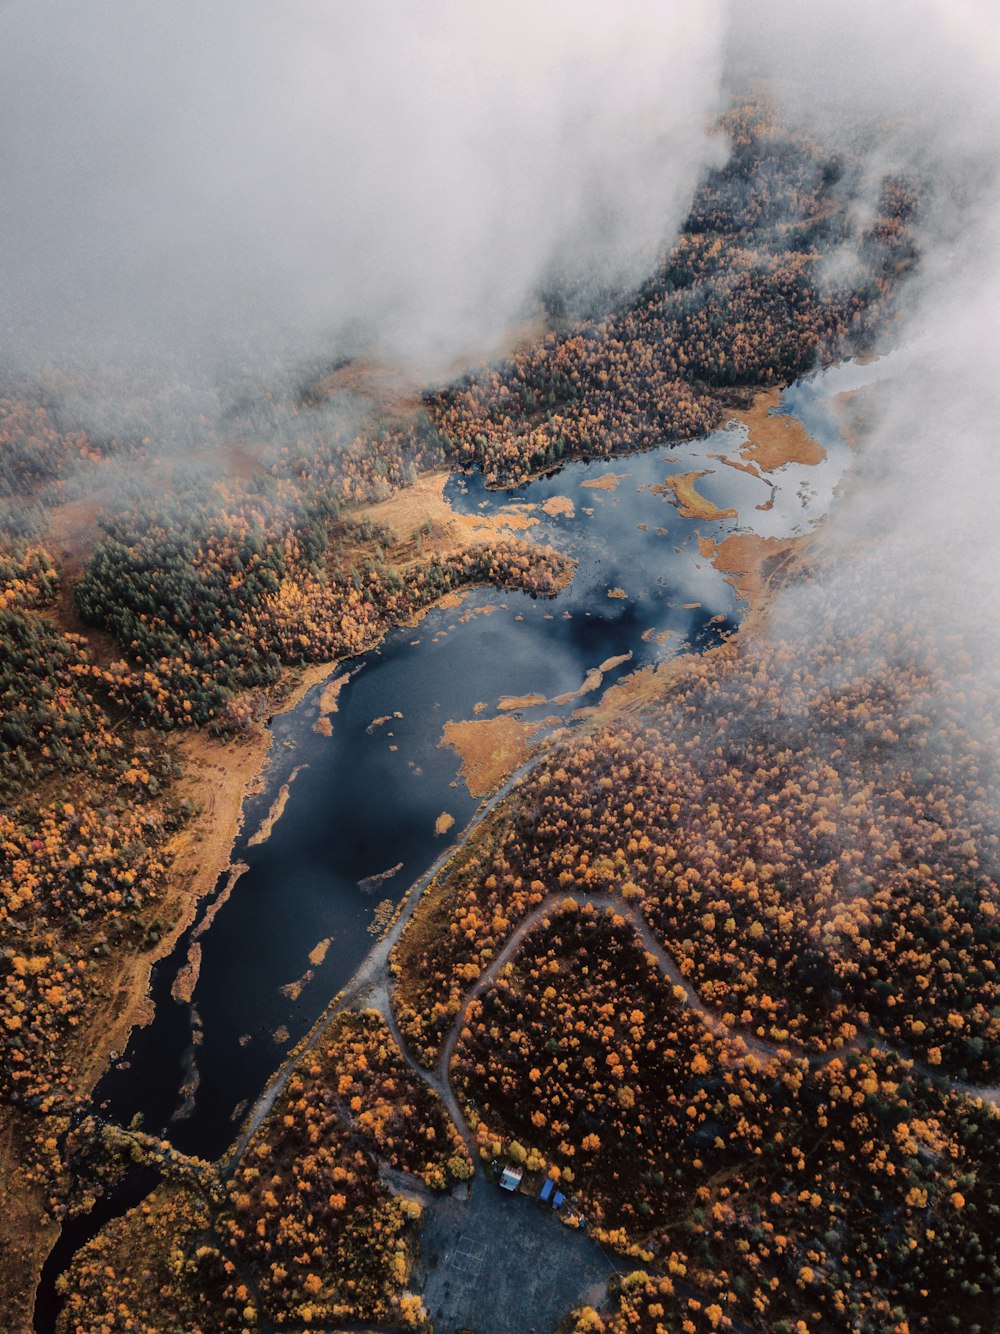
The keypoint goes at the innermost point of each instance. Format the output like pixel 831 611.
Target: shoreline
pixel 248 779
pixel 220 775
pixel 217 776
pixel 634 690
pixel 364 979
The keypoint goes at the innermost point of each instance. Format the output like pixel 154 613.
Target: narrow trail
pixel 664 962
pixel 371 989
pixel 689 997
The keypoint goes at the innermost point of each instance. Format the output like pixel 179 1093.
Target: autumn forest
pixel 722 964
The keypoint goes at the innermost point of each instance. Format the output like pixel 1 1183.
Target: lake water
pixel 365 799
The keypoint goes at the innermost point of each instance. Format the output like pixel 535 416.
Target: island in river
pixel 573 659
pixel 662 939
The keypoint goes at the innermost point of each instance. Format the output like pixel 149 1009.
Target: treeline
pixel 208 604
pixel 808 821
pixel 305 1231
pixel 73 877
pixel 85 819
pixel 739 303
pixel 29 579
pixel 253 563
pixel 819 859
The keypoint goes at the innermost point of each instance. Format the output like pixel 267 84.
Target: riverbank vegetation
pixel 802 1135
pixel 214 606
pixel 808 891
pixel 184 614
pixel 303 1230
pixel 740 302
pixel 153 585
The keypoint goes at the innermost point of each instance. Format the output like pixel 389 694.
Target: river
pixel 364 801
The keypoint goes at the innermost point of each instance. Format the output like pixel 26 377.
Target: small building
pixel 510 1177
pixel 558 1200
pixel 546 1190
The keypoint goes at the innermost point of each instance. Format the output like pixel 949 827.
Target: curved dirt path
pixel 664 962
pixel 689 997
pixel 371 988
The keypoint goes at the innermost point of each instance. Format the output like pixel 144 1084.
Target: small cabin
pixel 510 1177
pixel 550 1196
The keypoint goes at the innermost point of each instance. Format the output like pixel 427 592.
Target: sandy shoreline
pixel 216 777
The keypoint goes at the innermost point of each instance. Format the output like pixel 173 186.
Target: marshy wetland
pixel 369 777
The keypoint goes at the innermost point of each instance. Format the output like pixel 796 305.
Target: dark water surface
pixel 365 799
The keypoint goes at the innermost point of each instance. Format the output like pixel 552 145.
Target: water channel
pixel 359 823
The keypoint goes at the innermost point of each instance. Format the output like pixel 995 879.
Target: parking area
pixel 497 1263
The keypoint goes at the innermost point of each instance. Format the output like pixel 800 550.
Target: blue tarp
pixel 546 1190
pixel 558 1200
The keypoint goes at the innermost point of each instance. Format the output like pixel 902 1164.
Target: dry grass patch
pixel 490 749
pixel 774 439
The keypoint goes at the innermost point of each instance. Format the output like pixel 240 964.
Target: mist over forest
pixel 498 666
pixel 201 201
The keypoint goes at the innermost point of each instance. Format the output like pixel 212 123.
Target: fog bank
pixel 320 176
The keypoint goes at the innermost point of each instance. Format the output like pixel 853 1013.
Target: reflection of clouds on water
pixel 728 487
pixel 634 540
pixel 357 809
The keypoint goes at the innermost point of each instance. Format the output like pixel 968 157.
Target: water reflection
pixel 366 798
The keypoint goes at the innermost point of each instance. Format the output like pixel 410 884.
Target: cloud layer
pixel 192 175
pixel 237 180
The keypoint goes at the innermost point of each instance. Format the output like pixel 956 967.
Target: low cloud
pixel 250 179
